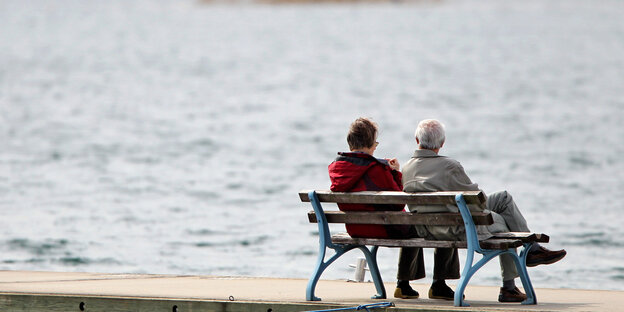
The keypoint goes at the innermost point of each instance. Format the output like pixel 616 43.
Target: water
pixel 173 136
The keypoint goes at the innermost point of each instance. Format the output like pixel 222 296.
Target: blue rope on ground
pixel 361 307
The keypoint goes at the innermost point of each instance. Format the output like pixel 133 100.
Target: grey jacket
pixel 427 171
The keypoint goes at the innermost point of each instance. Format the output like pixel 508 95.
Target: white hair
pixel 430 134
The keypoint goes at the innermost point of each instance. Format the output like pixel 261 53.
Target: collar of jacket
pixel 423 153
pixel 362 155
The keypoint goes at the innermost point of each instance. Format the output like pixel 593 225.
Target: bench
pixel 341 243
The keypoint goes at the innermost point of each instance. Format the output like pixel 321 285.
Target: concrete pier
pixel 58 291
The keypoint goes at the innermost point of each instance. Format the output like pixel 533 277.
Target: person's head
pixel 430 134
pixel 362 136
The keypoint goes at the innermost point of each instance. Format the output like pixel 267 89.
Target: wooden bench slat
pixel 499 243
pixel 400 217
pixel 525 237
pixel 491 243
pixel 391 197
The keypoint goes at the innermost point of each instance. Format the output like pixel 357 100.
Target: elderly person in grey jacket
pixel 427 171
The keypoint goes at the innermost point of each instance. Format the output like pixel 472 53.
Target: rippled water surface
pixel 173 136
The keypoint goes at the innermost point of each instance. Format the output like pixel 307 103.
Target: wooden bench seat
pixel 491 243
pixel 341 243
pixel 498 241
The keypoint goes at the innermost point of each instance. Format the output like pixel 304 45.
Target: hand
pixel 394 164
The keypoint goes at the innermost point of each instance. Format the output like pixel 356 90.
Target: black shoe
pixel 441 291
pixel 544 256
pixel 405 293
pixel 514 295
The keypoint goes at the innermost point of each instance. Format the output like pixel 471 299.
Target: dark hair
pixel 362 134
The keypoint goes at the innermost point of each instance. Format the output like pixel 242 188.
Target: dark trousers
pixel 412 265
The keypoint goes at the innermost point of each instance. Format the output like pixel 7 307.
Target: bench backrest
pixel 392 197
pixel 397 217
pixel 460 198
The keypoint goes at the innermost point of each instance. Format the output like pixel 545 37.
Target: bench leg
pixel 371 258
pixel 468 272
pixel 321 265
pixel 524 275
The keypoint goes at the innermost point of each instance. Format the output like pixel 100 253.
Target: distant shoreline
pixel 312 1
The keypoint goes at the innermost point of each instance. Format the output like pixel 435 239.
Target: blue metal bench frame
pixel 371 256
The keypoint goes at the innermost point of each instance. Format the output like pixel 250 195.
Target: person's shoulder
pixel 451 162
pixel 355 155
pixel 447 159
pixel 360 159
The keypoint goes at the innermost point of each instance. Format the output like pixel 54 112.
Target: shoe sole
pixel 551 261
pixel 400 295
pixel 407 297
pixel 510 300
pixel 431 296
pixel 441 297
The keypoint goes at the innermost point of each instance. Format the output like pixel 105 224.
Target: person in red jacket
pixel 359 170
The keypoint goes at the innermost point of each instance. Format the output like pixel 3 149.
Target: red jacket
pixel 353 172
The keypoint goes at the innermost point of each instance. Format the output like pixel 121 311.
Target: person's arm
pixel 393 163
pixel 397 176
